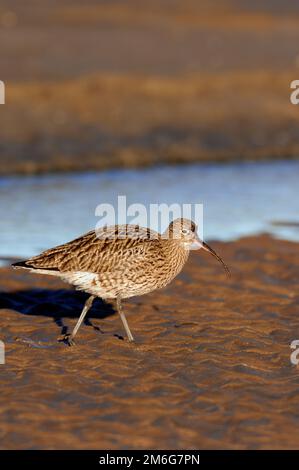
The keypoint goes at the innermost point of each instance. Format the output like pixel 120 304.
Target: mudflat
pixel 210 368
pixel 93 85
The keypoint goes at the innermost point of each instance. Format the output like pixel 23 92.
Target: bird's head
pixel 184 231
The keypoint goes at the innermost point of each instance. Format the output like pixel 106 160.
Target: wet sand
pixel 210 369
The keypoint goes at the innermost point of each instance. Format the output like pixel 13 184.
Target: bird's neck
pixel 176 255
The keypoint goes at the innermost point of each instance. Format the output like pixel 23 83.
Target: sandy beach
pixel 211 367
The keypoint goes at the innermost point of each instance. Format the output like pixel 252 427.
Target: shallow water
pixel 239 199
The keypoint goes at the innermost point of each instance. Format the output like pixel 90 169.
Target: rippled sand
pixel 210 369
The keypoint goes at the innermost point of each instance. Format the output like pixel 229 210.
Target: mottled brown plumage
pixel 118 262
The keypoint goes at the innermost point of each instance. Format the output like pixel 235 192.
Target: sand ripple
pixel 211 367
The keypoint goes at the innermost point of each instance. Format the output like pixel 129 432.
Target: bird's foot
pixel 67 339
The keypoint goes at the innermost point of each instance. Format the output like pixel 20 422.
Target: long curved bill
pixel 201 244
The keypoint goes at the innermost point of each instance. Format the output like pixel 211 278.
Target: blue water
pixel 38 212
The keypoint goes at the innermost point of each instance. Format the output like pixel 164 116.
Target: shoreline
pixel 125 121
pixel 72 169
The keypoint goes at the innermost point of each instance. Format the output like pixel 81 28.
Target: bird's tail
pixel 21 265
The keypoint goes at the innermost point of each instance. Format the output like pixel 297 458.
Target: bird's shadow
pixel 56 304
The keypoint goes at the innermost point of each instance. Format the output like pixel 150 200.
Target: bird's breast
pixel 135 275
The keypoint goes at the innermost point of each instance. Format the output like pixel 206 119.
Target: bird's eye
pixel 185 231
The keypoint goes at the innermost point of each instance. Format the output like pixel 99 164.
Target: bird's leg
pixel 123 318
pixel 69 338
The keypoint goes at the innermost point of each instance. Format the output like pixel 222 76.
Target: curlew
pixel 119 262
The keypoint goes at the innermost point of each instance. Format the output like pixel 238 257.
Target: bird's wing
pixel 96 251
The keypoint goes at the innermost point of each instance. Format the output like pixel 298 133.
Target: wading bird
pixel 119 262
